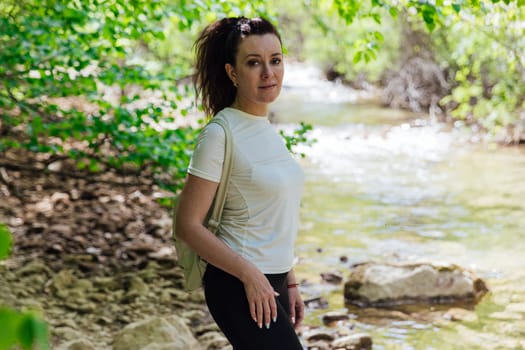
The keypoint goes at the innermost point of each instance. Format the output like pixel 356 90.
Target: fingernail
pixel 275 319
pixel 260 325
pixel 267 326
pixel 293 320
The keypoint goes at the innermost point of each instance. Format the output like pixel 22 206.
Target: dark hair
pixel 217 45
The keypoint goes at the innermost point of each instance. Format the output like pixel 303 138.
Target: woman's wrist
pixel 246 269
pixel 291 281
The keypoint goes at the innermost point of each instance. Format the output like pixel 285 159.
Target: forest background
pixel 101 90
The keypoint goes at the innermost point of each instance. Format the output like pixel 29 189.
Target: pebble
pixel 334 316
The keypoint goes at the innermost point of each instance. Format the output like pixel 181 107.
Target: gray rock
pixel 332 277
pixel 156 333
pixel 358 341
pixel 319 334
pixel 197 296
pixel 67 332
pixel 109 283
pixel 63 280
pixel 380 285
pixel 34 267
pixel 213 340
pixel 63 230
pixel 137 286
pixel 334 316
pixel 156 346
pixel 204 328
pixel 81 305
pixel 178 294
pixel 317 302
pixel 318 345
pixel 77 344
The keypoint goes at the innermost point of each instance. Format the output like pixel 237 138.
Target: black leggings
pixel 229 307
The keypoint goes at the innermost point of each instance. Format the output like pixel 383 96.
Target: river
pixel 388 185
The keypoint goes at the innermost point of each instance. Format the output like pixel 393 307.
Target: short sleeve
pixel 208 156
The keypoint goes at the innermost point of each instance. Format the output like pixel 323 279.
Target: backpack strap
pixel 220 197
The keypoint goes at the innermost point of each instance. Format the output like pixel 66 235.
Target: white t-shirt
pixel 261 212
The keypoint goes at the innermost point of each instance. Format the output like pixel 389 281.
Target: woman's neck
pixel 259 109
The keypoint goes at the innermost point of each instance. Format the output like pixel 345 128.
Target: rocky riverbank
pixel 93 258
pixel 96 260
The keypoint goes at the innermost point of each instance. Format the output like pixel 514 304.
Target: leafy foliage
pixel 104 84
pixel 480 44
pixel 107 57
pixel 298 136
pixel 87 49
pixel 485 51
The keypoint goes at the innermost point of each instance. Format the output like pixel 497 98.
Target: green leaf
pixel 6 242
pixel 9 323
pixel 24 329
pixel 429 14
pixel 358 56
pixel 32 331
pixel 430 26
pixel 93 166
pixel 393 12
pixel 379 37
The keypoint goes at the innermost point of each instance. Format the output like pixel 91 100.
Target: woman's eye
pixel 253 63
pixel 276 61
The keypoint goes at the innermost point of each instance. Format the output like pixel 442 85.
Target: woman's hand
pixel 296 302
pixel 296 306
pixel 261 297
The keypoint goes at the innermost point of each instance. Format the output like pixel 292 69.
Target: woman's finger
pixel 292 310
pixel 273 308
pixel 299 313
pixel 253 312
pixel 260 310
pixel 267 313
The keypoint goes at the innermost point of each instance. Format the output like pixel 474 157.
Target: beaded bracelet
pixel 293 285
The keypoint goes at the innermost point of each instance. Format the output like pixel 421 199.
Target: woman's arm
pixel 296 302
pixel 195 201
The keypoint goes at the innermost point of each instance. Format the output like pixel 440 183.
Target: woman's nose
pixel 266 71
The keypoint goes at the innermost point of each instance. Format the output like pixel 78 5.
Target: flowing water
pixel 385 185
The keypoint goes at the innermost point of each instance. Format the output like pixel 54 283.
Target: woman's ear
pixel 230 70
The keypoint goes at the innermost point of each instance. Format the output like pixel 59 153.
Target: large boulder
pixel 387 285
pixel 156 333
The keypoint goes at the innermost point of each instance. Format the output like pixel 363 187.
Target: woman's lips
pixel 267 86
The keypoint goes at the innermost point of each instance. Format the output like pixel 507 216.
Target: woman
pixel 249 284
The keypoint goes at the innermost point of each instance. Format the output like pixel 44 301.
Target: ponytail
pixel 217 45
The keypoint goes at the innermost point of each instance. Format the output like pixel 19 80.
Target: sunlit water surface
pixel 385 185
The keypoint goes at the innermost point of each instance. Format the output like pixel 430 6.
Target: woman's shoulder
pixel 213 132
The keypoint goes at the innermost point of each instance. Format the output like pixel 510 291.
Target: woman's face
pixel 258 73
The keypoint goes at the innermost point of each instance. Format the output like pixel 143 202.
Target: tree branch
pixel 31 108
